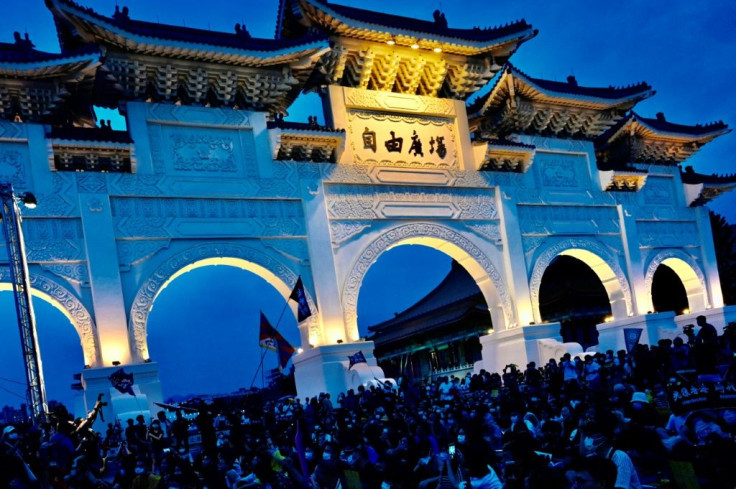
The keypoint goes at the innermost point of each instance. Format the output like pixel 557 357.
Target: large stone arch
pixel 69 305
pixel 599 259
pixel 687 269
pixel 444 239
pixel 281 277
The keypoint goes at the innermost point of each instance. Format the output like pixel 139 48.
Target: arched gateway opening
pixel 676 283
pixel 424 313
pixel 572 294
pixel 62 355
pixel 203 328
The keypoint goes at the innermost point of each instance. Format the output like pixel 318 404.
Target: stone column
pixel 515 270
pixel 714 296
pixel 641 298
pixel 104 274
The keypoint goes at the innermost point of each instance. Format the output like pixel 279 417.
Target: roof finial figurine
pixel 241 31
pixel 660 116
pixel 439 18
pixel 572 80
pixel 121 15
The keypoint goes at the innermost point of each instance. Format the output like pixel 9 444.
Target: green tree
pixel 724 240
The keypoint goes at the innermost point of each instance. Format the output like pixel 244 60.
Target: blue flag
pixel 122 382
pixel 357 358
pixel 631 338
pixel 298 295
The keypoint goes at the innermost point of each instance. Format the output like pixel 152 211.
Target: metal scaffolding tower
pixel 10 214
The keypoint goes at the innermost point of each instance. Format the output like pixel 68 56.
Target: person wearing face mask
pixel 596 442
pixel 15 472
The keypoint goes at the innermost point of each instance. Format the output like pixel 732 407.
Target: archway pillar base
pixel 534 343
pixel 146 385
pixel 717 316
pixel 325 369
pixel 655 327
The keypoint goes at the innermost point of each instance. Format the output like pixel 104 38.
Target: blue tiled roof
pixel 457 286
pixel 15 53
pixel 430 27
pixel 692 177
pixel 192 35
pixel 609 93
pixel 661 125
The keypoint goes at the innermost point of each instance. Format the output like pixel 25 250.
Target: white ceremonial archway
pixel 281 277
pixel 599 259
pixel 70 306
pixel 441 238
pixel 687 270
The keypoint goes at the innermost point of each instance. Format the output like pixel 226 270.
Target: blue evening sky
pixel 684 49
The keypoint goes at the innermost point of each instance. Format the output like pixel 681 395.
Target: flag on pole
pixel 357 358
pixel 298 295
pixel 631 338
pixel 271 339
pixel 122 382
pixel 300 452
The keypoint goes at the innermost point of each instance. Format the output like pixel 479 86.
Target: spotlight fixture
pixel 390 42
pixel 437 50
pixel 415 46
pixel 116 363
pixel 300 351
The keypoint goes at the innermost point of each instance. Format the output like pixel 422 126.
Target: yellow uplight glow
pixel 415 46
pixel 390 42
pixel 608 319
pixel 686 311
pixel 437 50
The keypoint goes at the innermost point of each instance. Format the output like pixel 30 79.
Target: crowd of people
pixel 603 420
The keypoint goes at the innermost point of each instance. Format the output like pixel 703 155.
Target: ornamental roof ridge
pixel 12 53
pixel 690 176
pixel 402 25
pixel 168 32
pixel 661 126
pixel 635 91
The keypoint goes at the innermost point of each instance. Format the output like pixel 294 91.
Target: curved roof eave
pixel 88 22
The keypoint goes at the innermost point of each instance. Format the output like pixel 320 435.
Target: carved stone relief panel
pixel 133 252
pixel 658 191
pixel 572 219
pixel 164 218
pixel 13 163
pixel 390 202
pixel 559 171
pixel 61 201
pixel 667 234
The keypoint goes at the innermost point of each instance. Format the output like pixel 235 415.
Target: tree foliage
pixel 724 239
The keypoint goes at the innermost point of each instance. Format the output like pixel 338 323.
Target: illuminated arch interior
pixel 262 272
pixel 693 286
pixel 607 277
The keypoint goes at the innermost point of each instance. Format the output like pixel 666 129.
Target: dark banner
pixel 686 398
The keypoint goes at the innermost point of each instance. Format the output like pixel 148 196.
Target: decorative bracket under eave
pixel 697 194
pixel 507 156
pixel 622 180
pixel 321 146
